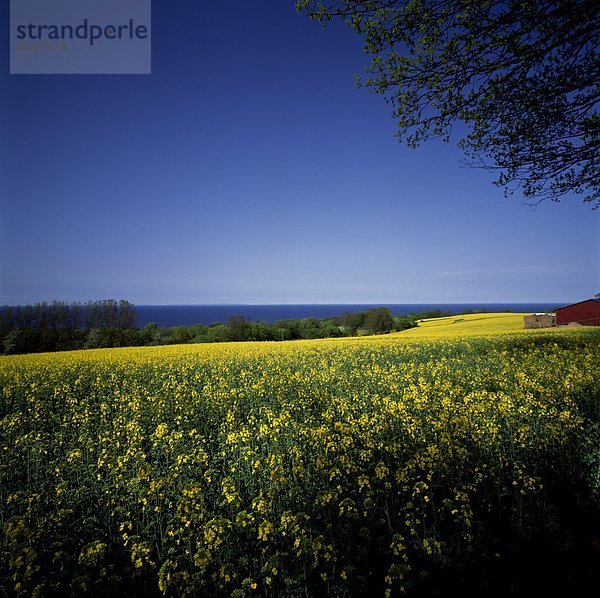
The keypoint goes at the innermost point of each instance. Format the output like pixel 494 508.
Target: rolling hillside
pixel 469 325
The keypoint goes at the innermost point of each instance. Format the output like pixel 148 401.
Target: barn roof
pixel 578 303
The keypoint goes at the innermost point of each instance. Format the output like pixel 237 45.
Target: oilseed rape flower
pixel 340 467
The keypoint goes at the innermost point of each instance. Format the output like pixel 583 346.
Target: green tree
pixel 291 326
pixel 258 331
pixel 281 333
pixel 351 320
pixel 181 334
pixel 6 322
pixel 522 74
pixel 10 342
pixel 95 339
pixel 218 334
pixel 379 320
pixel 149 334
pixel 310 328
pixel 127 314
pixel 404 322
pixel 237 328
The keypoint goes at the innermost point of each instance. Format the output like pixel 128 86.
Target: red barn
pixel 586 313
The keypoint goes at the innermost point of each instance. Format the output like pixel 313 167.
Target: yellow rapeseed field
pixel 470 325
pixel 307 467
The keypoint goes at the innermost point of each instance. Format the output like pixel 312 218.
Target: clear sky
pixel 248 168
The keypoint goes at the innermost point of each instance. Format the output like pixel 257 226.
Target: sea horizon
pixel 189 314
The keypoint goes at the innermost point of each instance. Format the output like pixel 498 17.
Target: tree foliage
pixel 100 324
pixel 379 320
pixel 522 74
pixel 59 326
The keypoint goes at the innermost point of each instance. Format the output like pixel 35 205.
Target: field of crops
pixel 378 465
pixel 471 325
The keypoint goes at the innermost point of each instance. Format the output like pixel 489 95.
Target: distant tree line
pixel 237 328
pixel 60 326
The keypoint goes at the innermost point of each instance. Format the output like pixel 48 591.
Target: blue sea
pixel 188 315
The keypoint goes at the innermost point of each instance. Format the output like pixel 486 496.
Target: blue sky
pixel 248 168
